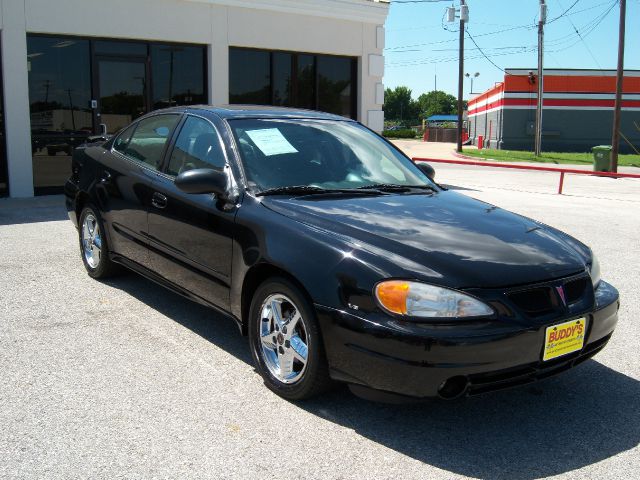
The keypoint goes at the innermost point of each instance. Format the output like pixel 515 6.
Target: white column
pixel 371 72
pixel 16 99
pixel 219 57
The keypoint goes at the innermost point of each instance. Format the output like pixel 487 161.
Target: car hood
pixel 446 238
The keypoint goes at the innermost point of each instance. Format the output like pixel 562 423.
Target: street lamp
pixel 475 75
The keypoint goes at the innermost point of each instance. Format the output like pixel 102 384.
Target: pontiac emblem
pixel 560 291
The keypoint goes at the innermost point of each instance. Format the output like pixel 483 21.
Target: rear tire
pixel 286 343
pixel 94 247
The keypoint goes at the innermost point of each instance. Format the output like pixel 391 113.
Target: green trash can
pixel 602 158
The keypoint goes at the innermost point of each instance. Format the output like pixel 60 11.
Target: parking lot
pixel 123 379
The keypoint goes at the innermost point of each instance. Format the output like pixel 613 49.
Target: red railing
pixel 561 171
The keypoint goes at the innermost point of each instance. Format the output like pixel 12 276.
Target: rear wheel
pixel 93 245
pixel 285 341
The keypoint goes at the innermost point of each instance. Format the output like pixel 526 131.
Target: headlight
pixel 594 271
pixel 427 301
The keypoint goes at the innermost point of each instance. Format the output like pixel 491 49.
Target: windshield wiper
pixel 393 187
pixel 311 190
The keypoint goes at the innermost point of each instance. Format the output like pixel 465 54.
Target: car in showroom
pixel 339 257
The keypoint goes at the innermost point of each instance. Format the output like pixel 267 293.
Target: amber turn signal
pixel 392 295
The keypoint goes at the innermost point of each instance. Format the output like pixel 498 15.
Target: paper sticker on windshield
pixel 271 141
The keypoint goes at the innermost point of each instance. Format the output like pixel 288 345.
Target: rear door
pixel 191 235
pixel 125 181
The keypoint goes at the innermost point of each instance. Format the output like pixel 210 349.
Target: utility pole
pixel 615 138
pixel 541 21
pixel 464 17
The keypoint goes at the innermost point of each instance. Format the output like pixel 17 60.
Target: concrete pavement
pixel 123 379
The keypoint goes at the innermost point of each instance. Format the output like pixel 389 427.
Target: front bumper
pixel 427 360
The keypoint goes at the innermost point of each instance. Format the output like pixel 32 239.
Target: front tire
pixel 94 247
pixel 285 341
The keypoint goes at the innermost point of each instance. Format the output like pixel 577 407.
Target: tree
pixel 437 102
pixel 399 106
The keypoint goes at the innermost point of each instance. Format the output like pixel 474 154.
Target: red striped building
pixel 578 110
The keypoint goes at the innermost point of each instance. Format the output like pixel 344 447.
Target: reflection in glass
pixel 316 82
pixel 178 75
pixel 306 82
pixel 335 85
pixel 123 87
pixel 59 99
pixel 249 76
pixel 120 48
pixel 282 83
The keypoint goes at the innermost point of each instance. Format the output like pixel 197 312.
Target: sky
pixel 421 46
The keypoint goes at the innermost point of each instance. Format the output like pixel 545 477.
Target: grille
pixel 574 290
pixel 535 302
pixel 541 300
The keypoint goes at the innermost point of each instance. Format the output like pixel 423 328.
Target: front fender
pixel 336 271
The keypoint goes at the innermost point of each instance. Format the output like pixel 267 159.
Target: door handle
pixel 106 177
pixel 158 200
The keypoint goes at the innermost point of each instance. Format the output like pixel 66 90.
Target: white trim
pixel 376 65
pixel 572 73
pixel 380 37
pixel 577 96
pixel 471 115
pixel 491 99
pixel 553 107
pixel 375 120
pixel 379 94
pixel 367 11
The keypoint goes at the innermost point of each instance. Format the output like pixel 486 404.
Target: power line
pixel 581 38
pixel 528 26
pixel 484 54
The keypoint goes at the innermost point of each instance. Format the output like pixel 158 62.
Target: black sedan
pixel 341 259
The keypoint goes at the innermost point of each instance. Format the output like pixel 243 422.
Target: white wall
pixel 16 99
pixel 339 27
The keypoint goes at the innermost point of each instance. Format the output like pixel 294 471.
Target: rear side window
pixel 197 146
pixel 150 138
pixel 120 145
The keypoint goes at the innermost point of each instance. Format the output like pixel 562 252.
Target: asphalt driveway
pixel 123 379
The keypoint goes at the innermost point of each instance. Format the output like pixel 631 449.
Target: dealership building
pixel 577 114
pixel 72 67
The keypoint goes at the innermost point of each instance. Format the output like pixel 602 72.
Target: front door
pixel 122 91
pixel 191 235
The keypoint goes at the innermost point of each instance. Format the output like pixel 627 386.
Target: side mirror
pixel 203 180
pixel 427 169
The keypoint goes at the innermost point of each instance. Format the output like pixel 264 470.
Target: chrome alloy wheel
pixel 283 338
pixel 91 240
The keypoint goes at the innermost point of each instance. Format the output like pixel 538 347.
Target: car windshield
pixel 279 153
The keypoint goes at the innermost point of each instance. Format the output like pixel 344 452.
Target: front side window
pixel 120 144
pixel 319 153
pixel 150 138
pixel 197 146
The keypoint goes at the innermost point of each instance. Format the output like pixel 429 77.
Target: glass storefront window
pixel 249 77
pixel 125 78
pixel 282 83
pixel 305 87
pixel 335 85
pixel 178 75
pixel 59 99
pixel 316 82
pixel 108 47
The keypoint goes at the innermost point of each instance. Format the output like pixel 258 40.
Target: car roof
pixel 229 112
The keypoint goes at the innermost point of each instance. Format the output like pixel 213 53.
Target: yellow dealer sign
pixel 564 338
